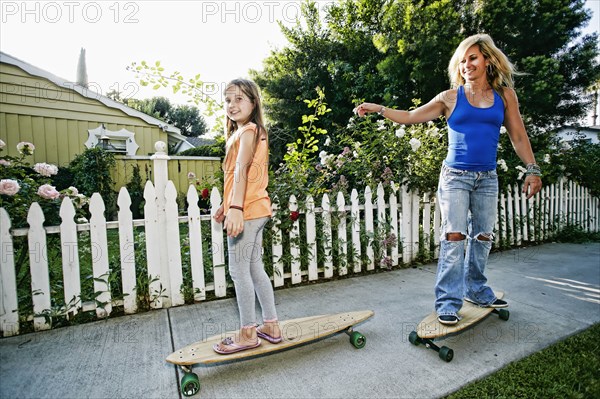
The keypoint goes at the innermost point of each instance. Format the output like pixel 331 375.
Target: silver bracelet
pixel 382 111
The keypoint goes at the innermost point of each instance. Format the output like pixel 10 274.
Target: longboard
pixel 430 329
pixel 294 332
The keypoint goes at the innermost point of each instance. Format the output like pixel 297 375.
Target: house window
pixel 119 142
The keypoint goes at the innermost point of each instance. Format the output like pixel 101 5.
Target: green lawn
pixel 567 369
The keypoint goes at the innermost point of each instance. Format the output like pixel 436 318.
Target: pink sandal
pixel 234 347
pixel 266 336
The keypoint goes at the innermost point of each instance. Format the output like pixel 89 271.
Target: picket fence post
pixel 173 244
pixel 127 252
pixel 355 220
pixel 277 249
pixel 195 237
pixel 406 231
pixel 327 237
pixel 217 246
pixel 426 223
pixel 369 228
pixel 394 223
pixel 70 258
pixel 152 248
pixel 99 240
pixel 294 243
pixel 311 239
pixel 9 319
pixel 161 176
pixel 342 235
pixel 38 264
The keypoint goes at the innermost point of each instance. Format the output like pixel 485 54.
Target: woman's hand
pixel 234 222
pixel 219 215
pixel 532 185
pixel 367 108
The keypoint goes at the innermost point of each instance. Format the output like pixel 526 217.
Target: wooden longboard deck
pixel 295 332
pixel 469 314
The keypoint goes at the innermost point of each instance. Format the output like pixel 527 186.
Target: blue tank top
pixel 473 134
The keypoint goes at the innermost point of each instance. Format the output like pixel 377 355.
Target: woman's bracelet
pixel 239 208
pixel 533 169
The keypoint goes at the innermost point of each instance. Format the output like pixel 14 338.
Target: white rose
pixel 400 133
pixel 2 144
pixel 547 158
pixel 522 170
pixel 9 187
pixel 502 164
pixel 45 169
pixel 502 130
pixel 415 143
pixel 25 147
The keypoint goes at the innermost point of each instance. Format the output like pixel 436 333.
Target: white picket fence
pixel 410 217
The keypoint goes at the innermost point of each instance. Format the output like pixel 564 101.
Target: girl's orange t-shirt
pixel 257 203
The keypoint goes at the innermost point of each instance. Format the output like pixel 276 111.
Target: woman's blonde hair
pixel 251 90
pixel 500 70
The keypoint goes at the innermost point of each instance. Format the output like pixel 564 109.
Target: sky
pixel 220 40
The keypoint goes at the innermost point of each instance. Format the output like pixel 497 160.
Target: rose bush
pixel 22 184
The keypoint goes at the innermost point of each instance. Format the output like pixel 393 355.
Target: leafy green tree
pixel 185 117
pixel 394 51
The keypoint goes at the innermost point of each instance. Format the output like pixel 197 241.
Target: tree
pixel 394 51
pixel 187 118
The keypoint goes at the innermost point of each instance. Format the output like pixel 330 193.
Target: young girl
pixel 246 209
pixel 482 101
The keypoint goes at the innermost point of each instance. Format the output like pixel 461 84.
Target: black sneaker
pixel 448 319
pixel 498 303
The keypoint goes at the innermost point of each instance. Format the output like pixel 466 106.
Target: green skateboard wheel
pixel 358 340
pixel 190 384
pixel 446 354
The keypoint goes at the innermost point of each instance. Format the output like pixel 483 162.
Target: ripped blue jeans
pixel 469 204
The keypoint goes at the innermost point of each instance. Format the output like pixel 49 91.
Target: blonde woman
pixel 481 101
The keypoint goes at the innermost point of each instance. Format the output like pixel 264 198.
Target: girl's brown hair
pixel 251 90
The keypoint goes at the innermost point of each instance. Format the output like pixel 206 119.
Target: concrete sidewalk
pixel 553 291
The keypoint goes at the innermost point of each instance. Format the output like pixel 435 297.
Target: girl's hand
pixel 532 185
pixel 366 108
pixel 234 222
pixel 219 215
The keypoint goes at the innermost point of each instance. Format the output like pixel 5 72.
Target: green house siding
pixel 56 119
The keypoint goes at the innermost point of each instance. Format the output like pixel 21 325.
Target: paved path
pixel 553 291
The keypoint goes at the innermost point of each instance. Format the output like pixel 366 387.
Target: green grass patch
pixel 568 369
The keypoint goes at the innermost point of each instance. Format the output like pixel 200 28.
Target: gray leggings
pixel 248 273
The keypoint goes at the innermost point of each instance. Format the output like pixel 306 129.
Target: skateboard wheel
pixel 446 354
pixel 413 338
pixel 503 314
pixel 358 340
pixel 190 384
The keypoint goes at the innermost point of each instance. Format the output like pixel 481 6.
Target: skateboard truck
pixel 444 352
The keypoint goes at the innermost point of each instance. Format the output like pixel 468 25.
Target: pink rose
pixel 4 162
pixel 48 192
pixel 45 169
pixel 9 187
